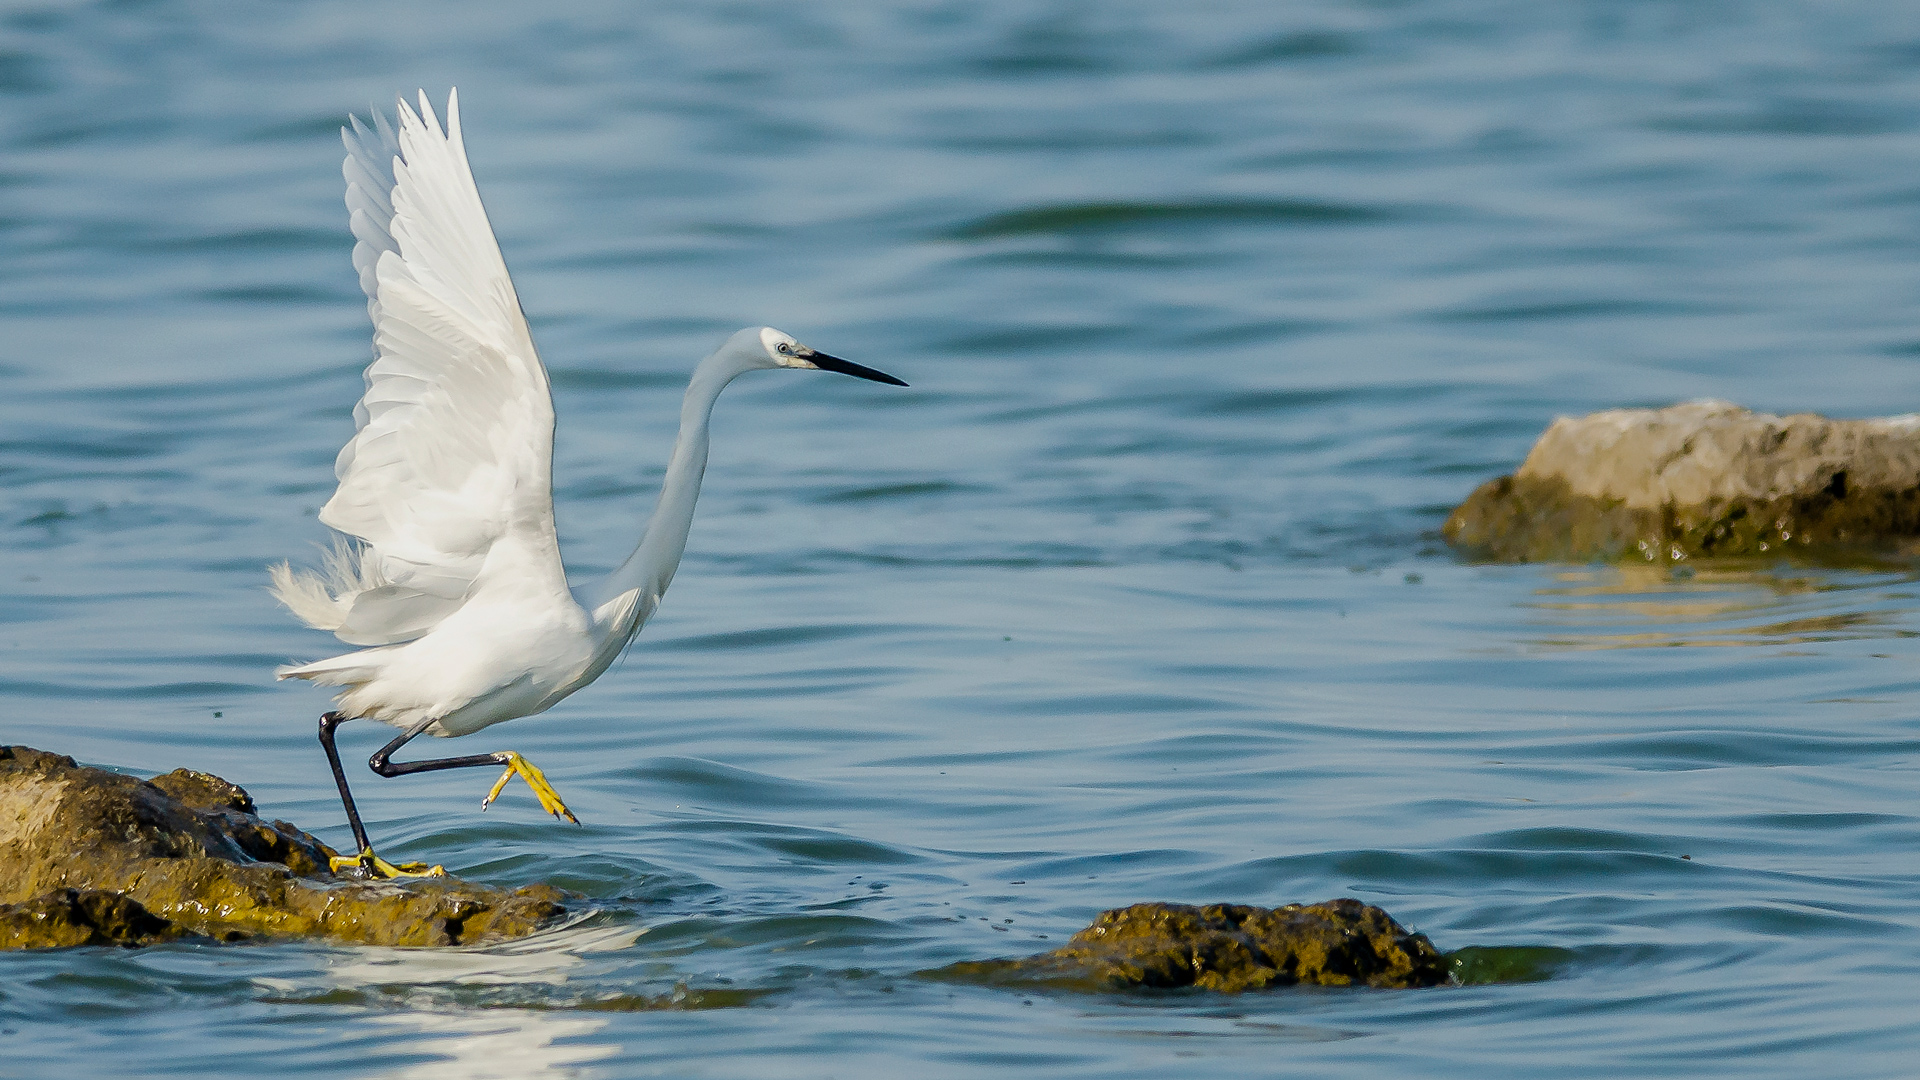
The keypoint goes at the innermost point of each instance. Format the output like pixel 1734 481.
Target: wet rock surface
pixel 1229 948
pixel 82 917
pixel 1706 478
pixel 89 856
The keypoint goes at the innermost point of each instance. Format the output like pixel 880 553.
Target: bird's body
pixel 520 640
pixel 453 582
pixel 501 656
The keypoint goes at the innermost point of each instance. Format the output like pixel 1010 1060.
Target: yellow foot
pixel 381 868
pixel 537 780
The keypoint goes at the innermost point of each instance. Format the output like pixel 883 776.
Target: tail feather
pixel 322 598
pixel 352 669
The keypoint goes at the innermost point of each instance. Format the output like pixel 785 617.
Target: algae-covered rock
pixel 188 850
pixel 1229 948
pixel 1702 479
pixel 82 917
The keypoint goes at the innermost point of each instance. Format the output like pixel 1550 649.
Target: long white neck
pixel 628 595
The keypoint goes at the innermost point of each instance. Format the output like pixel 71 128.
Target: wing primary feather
pixel 453 440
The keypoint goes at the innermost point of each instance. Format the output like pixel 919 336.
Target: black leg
pixel 328 722
pixel 382 762
pixel 369 864
pixel 379 761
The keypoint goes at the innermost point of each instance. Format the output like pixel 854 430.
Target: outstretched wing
pixel 454 443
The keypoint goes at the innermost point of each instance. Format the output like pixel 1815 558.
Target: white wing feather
pixel 453 450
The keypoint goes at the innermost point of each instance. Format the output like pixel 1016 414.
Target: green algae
pixel 1226 948
pixel 69 917
pixel 1486 965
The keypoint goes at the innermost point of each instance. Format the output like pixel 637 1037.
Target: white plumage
pixel 452 577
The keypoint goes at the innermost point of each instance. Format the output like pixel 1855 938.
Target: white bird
pixel 452 579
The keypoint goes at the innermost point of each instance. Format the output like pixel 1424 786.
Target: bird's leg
pixel 516 766
pixel 329 721
pixel 366 862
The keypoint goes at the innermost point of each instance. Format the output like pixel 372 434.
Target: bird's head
pixel 781 351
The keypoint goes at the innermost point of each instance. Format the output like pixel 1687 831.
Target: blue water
pixel 1211 312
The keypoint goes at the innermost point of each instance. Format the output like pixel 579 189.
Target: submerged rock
pixel 89 856
pixel 1704 478
pixel 1229 947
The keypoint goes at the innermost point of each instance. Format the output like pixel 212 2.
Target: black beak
pixel 833 363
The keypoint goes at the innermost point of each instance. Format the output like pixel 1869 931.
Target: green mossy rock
pixel 1228 948
pixel 189 855
pixel 1700 480
pixel 82 917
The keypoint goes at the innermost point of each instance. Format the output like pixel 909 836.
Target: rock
pixel 1229 948
pixel 77 917
pixel 187 851
pixel 1704 478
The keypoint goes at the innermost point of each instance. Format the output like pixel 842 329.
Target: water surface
pixel 1211 312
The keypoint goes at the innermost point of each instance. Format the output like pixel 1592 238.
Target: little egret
pixel 449 570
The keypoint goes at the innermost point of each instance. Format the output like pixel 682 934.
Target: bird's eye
pixel 784 349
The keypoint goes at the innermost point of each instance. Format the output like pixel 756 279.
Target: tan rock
pixel 1703 478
